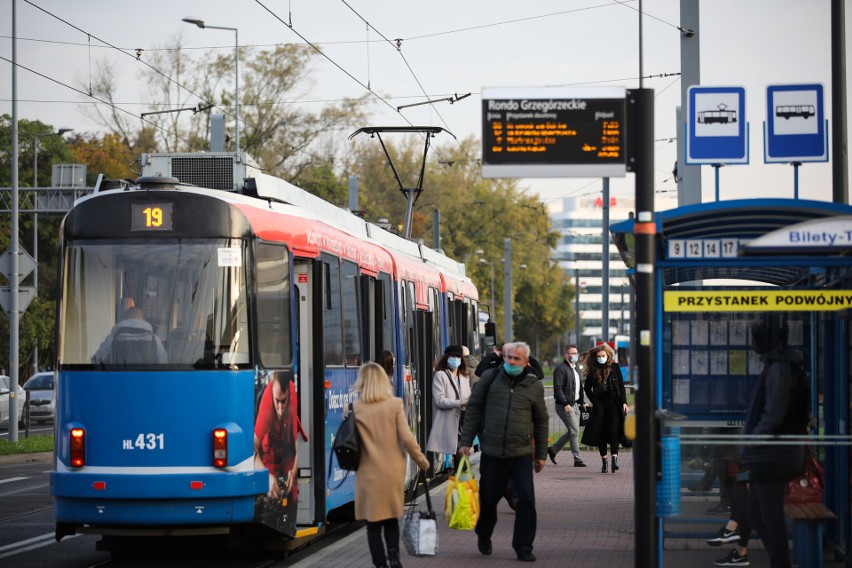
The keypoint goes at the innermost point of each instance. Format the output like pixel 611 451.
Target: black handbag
pixel 347 445
pixel 585 416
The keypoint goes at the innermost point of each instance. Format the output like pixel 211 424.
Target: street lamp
pixel 59 132
pixel 491 266
pixel 200 23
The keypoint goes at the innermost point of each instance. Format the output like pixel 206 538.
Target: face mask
pixel 512 370
pixel 602 360
pixel 575 358
pixel 453 362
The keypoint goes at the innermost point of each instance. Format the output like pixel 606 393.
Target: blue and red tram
pixel 208 342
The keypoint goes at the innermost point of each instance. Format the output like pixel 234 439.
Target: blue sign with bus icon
pixel 795 129
pixel 717 130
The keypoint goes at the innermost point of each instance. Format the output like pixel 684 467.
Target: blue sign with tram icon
pixel 795 129
pixel 717 130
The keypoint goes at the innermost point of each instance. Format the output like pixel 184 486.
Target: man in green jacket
pixel 507 410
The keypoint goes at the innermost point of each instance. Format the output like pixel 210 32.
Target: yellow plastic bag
pixel 461 505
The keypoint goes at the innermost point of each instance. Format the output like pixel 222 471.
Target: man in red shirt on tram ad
pixel 275 430
pixel 507 410
pixel 568 400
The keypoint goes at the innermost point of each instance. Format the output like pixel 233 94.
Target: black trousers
pixel 766 513
pixel 496 473
pixel 374 539
pixel 610 433
pixel 739 511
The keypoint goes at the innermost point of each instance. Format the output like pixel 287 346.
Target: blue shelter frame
pixel 709 285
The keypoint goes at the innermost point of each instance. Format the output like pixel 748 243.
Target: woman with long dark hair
pixel 387 361
pixel 604 386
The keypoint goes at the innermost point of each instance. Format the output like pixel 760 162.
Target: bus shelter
pixel 719 268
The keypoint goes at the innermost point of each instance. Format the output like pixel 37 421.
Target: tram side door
pixel 424 322
pixel 310 486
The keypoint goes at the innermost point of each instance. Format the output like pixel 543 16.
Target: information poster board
pixel 553 132
pixel 709 367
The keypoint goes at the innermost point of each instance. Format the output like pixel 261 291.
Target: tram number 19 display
pixel 151 217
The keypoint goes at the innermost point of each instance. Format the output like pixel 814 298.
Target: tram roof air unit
pixel 219 170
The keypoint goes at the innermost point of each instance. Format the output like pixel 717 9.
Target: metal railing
pixel 45 200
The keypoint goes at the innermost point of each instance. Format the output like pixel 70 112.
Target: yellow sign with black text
pixel 756 300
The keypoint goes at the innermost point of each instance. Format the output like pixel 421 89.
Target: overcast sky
pixel 449 48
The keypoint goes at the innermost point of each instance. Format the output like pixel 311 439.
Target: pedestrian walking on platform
pixel 379 481
pixel 507 410
pixel 604 386
pixel 780 406
pixel 568 401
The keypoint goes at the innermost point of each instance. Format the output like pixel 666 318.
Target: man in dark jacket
pixel 780 407
pixel 508 412
pixel 568 401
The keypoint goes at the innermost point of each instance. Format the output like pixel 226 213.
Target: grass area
pixel 31 445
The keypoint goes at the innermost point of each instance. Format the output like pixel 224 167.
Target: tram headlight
pixel 78 447
pixel 220 447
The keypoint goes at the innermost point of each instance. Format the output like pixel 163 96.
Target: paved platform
pixel 585 519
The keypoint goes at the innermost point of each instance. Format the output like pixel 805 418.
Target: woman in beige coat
pixel 380 479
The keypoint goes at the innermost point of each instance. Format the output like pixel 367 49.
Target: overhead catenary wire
pixel 333 62
pixel 398 47
pixel 124 52
pixel 76 90
pixel 395 43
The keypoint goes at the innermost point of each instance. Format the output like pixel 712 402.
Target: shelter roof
pixel 744 220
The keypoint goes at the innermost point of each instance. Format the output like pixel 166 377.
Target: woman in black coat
pixel 604 387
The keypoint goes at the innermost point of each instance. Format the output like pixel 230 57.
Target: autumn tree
pixel 108 155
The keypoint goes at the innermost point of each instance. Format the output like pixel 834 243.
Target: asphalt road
pixel 26 519
pixel 27 532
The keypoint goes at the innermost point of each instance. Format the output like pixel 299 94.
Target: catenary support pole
pixel 14 312
pixel 605 262
pixel 507 290
pixel 646 449
pixel 839 151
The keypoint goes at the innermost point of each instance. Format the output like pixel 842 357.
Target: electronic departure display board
pixel 553 132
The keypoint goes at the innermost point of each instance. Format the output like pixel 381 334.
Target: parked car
pixel 41 405
pixel 20 400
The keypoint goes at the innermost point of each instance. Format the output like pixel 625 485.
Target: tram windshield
pixel 176 303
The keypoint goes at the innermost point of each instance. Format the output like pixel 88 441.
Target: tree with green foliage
pixel 37 324
pixel 51 149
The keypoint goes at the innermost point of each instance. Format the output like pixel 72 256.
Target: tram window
pixel 273 305
pixel 351 333
pixel 192 295
pixel 434 303
pixel 473 326
pixel 408 319
pixel 331 320
pixel 451 318
pixel 383 288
